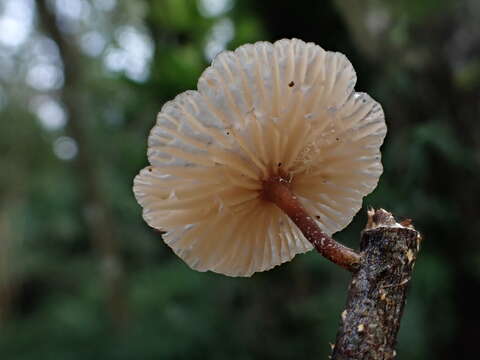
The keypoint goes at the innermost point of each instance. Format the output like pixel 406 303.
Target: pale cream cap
pixel 287 108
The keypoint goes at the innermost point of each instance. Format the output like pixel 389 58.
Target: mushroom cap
pixel 286 109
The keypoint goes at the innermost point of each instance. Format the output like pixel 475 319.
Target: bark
pixel 378 290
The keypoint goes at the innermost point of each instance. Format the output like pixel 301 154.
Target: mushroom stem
pixel 278 191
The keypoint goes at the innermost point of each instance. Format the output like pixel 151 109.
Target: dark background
pixel 81 274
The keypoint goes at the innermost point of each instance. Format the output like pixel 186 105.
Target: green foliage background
pixel 83 277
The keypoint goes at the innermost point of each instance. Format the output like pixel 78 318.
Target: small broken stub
pixel 382 218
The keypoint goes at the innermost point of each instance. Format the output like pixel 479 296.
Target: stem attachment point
pixel 278 191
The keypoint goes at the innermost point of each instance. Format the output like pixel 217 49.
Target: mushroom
pixel 267 159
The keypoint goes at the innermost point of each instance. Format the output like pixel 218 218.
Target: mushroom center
pixel 273 187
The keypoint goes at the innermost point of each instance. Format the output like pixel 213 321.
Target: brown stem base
pixel 378 290
pixel 278 191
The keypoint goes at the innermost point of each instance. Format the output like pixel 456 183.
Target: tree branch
pixel 378 290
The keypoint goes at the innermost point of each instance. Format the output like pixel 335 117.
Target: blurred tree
pixel 96 212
